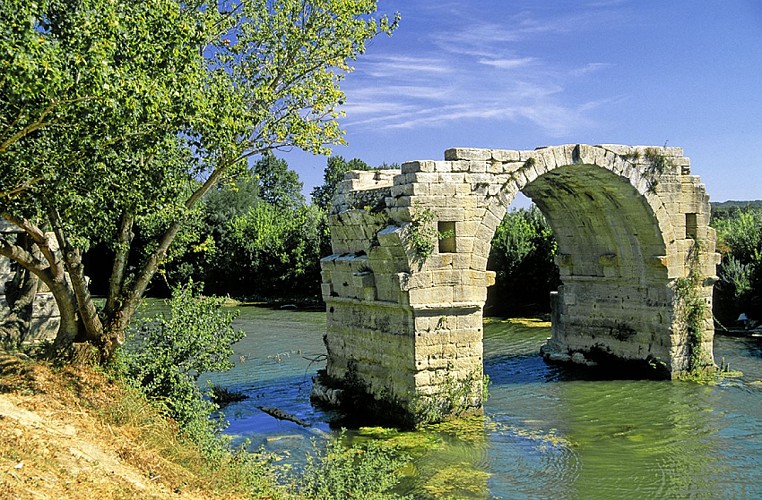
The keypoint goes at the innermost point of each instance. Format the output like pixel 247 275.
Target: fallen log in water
pixel 282 415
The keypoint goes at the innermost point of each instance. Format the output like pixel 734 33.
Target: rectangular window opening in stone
pixel 446 237
pixel 691 226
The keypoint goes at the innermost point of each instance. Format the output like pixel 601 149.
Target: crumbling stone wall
pixel 409 329
pixel 28 311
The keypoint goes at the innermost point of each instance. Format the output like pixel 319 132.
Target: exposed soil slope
pixel 71 433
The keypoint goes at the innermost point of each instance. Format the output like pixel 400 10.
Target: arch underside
pixel 614 297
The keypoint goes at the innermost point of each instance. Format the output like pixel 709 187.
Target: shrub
pixel 739 235
pixel 338 472
pixel 166 354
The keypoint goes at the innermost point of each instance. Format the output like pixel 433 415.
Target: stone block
pixel 505 155
pixel 390 236
pixel 467 154
pixel 478 262
pixel 478 166
pixel 43 328
pixel 453 214
pixel 417 166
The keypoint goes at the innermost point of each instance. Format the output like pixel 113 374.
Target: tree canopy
pixel 116 112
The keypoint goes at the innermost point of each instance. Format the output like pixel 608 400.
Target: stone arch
pixel 627 219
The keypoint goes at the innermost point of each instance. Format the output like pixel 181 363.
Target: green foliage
pixel 522 256
pixel 113 71
pixel 421 234
pixel 338 472
pixel 739 238
pixel 166 354
pixel 269 251
pixel 691 309
pixel 335 168
pixel 278 185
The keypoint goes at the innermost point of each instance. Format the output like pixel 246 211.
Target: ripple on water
pixel 550 432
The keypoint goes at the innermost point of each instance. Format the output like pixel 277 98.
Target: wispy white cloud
pixel 468 69
pixel 507 63
pixel 605 3
pixel 394 65
pixel 589 68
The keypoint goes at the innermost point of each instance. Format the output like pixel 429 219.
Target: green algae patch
pixel 457 481
pixel 518 322
pixel 542 439
pixel 413 443
pixel 469 429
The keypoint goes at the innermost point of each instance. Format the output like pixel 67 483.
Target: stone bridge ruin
pixel 407 280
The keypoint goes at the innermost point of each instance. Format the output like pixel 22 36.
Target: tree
pixel 335 168
pixel 278 185
pixel 190 90
pixel 269 251
pixel 522 256
pixel 113 153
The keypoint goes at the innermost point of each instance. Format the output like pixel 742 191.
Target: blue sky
pixel 521 74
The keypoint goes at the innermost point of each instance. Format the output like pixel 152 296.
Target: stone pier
pixel 406 282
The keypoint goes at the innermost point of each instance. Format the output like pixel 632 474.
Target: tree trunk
pixel 118 321
pixel 50 269
pixel 19 296
pixel 119 267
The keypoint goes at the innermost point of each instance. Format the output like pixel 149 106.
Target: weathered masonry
pixel 407 280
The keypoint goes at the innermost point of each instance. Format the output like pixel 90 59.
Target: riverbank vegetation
pixel 144 428
pixel 739 241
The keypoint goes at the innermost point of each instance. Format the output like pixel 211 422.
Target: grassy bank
pixel 73 432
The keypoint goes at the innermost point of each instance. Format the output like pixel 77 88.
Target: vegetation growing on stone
pixel 691 309
pixel 421 234
pixel 658 164
pixel 454 397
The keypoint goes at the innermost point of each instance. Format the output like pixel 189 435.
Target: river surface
pixel 547 432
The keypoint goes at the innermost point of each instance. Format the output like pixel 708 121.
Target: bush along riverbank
pixel 141 427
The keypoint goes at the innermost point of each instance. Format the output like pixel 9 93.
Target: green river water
pixel 547 432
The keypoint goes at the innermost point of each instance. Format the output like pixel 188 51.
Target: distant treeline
pixel 739 241
pixel 719 206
